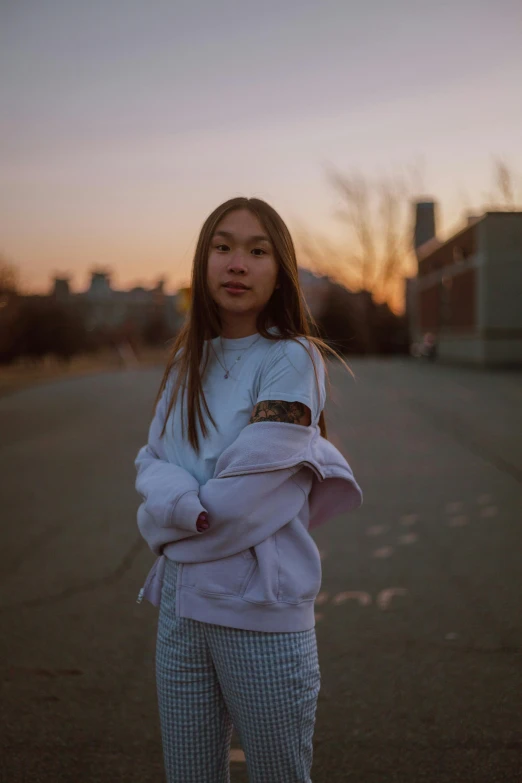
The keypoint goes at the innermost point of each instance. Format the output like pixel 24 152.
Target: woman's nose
pixel 237 262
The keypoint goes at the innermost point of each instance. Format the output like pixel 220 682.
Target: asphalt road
pixel 419 619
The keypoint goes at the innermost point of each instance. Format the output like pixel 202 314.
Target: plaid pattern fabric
pixel 211 678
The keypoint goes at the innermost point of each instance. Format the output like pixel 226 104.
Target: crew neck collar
pixel 238 343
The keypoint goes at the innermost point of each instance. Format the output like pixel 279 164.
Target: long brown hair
pixel 286 309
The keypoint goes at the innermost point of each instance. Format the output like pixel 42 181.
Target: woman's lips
pixel 234 290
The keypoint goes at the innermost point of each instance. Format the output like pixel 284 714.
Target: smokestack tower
pixel 425 222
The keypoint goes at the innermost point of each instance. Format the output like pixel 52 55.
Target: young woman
pixel 236 471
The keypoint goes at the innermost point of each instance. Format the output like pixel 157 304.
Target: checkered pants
pixel 211 678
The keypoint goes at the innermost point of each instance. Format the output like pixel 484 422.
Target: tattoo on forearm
pixel 279 410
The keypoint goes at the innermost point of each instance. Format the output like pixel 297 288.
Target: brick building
pixel 468 290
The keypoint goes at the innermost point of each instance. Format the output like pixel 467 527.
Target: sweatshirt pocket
pixel 299 564
pixel 262 586
pixel 227 576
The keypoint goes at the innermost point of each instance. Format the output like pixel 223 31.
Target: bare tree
pixel 323 255
pixel 507 188
pixel 9 280
pixel 377 218
pixel 377 252
pixel 504 179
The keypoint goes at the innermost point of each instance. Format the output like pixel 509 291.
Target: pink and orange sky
pixel 124 123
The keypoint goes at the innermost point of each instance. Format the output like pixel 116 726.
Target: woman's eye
pixel 259 251
pixel 223 248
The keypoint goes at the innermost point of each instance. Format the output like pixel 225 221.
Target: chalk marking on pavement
pixel 384 551
pixel 489 511
pixel 409 519
pixel 376 530
pixel 459 521
pixel 385 596
pixel 409 538
pixel 236 754
pixel 452 508
pixel 322 598
pixel 364 599
pixel 318 617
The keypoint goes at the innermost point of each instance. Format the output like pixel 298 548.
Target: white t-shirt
pixel 269 370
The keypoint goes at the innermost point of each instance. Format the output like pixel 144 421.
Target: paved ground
pixel 419 621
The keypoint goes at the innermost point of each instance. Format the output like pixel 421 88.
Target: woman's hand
pixel 202 522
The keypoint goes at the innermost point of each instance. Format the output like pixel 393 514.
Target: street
pixel 419 619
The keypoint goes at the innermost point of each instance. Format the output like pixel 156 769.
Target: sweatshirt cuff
pixel 186 512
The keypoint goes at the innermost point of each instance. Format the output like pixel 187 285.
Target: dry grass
pixel 25 373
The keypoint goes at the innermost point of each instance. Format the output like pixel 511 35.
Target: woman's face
pixel 242 270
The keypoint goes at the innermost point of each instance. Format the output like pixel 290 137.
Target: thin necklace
pixel 227 369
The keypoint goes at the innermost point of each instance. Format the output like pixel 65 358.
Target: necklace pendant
pixel 225 375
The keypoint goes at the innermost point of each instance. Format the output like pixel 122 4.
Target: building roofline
pixel 441 243
pixel 503 212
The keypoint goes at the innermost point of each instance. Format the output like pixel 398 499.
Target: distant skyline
pixel 125 123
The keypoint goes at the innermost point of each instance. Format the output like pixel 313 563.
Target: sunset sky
pixel 125 123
